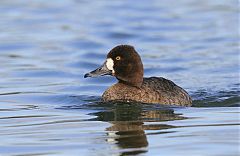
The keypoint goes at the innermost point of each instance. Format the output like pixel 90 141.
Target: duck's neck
pixel 135 81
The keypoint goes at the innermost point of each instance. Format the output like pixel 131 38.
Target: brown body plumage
pixel 153 90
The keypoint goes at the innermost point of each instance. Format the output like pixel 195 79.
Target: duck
pixel 124 63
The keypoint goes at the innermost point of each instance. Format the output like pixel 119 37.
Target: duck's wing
pixel 167 91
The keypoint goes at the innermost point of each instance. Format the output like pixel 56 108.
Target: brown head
pixel 124 63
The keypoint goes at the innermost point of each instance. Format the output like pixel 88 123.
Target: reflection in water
pixel 128 135
pixel 127 128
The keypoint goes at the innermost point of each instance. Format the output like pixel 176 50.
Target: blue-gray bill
pixel 102 70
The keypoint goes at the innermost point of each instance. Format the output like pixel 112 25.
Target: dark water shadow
pixel 128 122
pixel 204 98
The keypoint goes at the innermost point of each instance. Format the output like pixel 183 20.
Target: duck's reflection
pixel 127 128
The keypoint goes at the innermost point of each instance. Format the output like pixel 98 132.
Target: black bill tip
pixel 87 75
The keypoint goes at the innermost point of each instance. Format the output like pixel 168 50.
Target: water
pixel 48 108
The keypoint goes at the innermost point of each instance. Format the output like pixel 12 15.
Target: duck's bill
pixel 103 70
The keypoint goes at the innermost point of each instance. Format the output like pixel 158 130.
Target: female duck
pixel 125 64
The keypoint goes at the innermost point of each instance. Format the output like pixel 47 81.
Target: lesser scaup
pixel 125 64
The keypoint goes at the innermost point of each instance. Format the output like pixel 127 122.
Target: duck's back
pixel 153 90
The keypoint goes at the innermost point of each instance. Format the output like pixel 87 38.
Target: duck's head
pixel 124 63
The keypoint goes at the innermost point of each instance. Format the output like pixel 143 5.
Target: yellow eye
pixel 118 58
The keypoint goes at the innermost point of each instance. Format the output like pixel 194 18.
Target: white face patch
pixel 109 64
